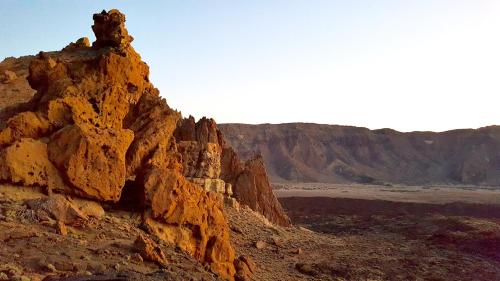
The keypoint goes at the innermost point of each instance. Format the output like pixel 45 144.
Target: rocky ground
pixel 342 247
pixel 101 248
pixel 403 241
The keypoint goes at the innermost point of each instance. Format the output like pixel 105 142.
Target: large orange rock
pixel 24 125
pixel 92 159
pixel 184 214
pixel 26 162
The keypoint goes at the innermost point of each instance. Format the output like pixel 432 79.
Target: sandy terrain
pixel 415 194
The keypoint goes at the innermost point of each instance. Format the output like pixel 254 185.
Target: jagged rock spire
pixel 109 29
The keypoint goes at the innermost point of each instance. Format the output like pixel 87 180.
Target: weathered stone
pixel 184 214
pixel 59 208
pixel 89 208
pixel 92 159
pixel 260 244
pixel 200 160
pixel 8 76
pixel 95 122
pixel 109 29
pixel 231 203
pixel 212 185
pixel 24 125
pixel 251 186
pixel 229 189
pixel 61 228
pixel 149 250
pixel 26 162
pixel 245 268
pixel 79 44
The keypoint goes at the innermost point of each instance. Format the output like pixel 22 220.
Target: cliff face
pixel 340 154
pixel 208 158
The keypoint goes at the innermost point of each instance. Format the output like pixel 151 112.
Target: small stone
pixel 236 229
pixel 137 258
pixel 3 276
pixel 51 267
pixel 149 250
pixel 245 268
pixel 61 228
pixel 87 273
pixel 278 241
pixel 298 251
pixel 260 244
pixel 306 269
pixel 117 267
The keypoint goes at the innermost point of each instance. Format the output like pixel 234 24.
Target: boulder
pixel 79 44
pixel 26 162
pixel 59 208
pixel 91 159
pixel 245 268
pixel 149 250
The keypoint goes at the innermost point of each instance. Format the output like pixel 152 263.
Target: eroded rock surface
pixel 209 161
pixel 95 122
pixel 251 186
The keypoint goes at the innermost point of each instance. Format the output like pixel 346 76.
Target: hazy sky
pixel 407 65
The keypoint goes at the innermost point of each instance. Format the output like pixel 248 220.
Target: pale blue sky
pixel 408 65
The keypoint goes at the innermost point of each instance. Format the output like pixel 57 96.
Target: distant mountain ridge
pixel 307 152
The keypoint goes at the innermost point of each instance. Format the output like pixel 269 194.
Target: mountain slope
pixel 307 152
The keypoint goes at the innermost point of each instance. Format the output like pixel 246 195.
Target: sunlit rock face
pixel 95 122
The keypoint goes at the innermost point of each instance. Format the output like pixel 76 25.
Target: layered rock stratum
pixel 306 152
pixel 96 124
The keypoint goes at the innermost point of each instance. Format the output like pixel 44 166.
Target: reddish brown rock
pixel 8 76
pixel 205 155
pixel 59 208
pixel 92 159
pixel 250 186
pixel 245 268
pixel 26 162
pixel 149 250
pixel 80 43
pixel 24 125
pixel 253 189
pixel 200 160
pixel 182 213
pixel 109 29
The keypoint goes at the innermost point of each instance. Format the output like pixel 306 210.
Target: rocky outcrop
pixel 251 186
pixel 96 122
pixel 304 152
pixel 211 163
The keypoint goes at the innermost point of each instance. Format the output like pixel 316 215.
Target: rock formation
pixel 210 162
pixel 251 185
pixel 96 122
